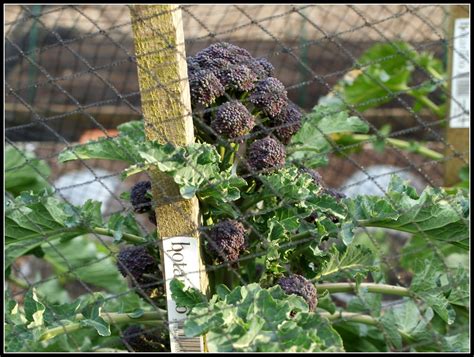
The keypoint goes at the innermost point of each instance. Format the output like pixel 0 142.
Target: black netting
pixel 72 75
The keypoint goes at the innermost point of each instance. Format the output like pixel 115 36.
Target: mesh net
pixel 72 75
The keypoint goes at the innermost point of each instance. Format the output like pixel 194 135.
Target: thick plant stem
pixel 131 238
pixel 357 317
pixel 350 316
pixel 371 288
pixel 401 144
pixel 434 107
pixel 110 317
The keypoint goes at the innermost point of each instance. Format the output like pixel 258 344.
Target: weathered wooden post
pixel 457 132
pixel 166 106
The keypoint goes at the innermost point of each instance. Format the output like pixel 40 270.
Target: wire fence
pixel 72 74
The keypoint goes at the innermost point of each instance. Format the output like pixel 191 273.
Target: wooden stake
pixel 457 137
pixel 166 106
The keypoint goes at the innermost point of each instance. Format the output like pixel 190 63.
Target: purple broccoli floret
pixel 266 66
pixel 135 261
pixel 233 120
pixel 140 197
pixel 222 50
pixel 287 123
pixel 299 285
pixel 205 87
pixel 226 240
pixel 239 77
pixel 270 96
pixel 142 267
pixel 266 155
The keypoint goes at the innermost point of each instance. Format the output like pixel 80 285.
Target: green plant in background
pixel 385 72
pixel 272 274
pixel 23 171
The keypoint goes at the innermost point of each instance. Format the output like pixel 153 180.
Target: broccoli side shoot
pixel 233 120
pixel 270 96
pixel 266 66
pixel 239 77
pixel 287 123
pixel 266 155
pixel 135 261
pixel 222 50
pixel 205 87
pixel 226 240
pixel 140 197
pixel 299 285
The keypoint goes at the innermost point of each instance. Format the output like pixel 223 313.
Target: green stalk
pixel 110 317
pixel 302 235
pixel 235 148
pixel 219 276
pixel 436 75
pixel 401 144
pixel 222 153
pixel 350 316
pixel 426 101
pixel 229 277
pixel 18 282
pixel 360 318
pixel 422 98
pixel 228 158
pixel 131 238
pixel 371 288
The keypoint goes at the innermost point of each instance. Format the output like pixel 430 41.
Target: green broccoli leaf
pixel 123 147
pixel 34 309
pixel 458 288
pixel 120 224
pixel 426 285
pixel 91 312
pixel 434 214
pixel 312 143
pixel 355 259
pixel 85 259
pixel 188 298
pixel 386 68
pixel 34 221
pixel 252 319
pixel 31 220
pixel 191 167
pixel 24 172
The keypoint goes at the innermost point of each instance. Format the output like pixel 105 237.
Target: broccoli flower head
pixel 270 96
pixel 140 197
pixel 233 120
pixel 297 284
pixel 266 155
pixel 135 261
pixel 226 240
pixel 205 87
pixel 287 123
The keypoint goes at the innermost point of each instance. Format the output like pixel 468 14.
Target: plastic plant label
pixel 181 261
pixel 460 101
